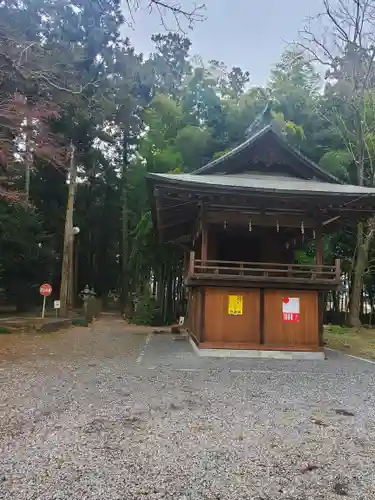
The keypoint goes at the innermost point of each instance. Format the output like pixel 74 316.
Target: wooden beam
pixel 191 263
pixel 267 220
pixel 242 196
pixel 235 283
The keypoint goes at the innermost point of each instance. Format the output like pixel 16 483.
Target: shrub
pixel 147 312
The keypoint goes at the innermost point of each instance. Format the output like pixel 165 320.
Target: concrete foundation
pixel 257 354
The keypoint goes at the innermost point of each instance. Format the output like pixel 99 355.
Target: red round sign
pixel 286 300
pixel 45 290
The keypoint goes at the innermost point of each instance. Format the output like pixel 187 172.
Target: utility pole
pixel 67 260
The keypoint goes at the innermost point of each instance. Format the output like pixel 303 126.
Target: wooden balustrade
pixel 262 271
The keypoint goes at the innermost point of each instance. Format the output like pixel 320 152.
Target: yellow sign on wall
pixel 235 305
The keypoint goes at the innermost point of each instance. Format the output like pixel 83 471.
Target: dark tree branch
pixel 344 23
pixel 317 49
pixel 335 21
pixel 176 9
pixel 31 62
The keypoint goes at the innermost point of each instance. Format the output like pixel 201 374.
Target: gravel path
pixel 106 414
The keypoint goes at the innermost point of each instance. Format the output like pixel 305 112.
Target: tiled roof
pixel 266 183
pixel 225 162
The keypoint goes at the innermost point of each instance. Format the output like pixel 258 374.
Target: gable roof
pixel 306 168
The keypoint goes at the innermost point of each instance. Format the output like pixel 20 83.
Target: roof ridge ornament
pixel 259 119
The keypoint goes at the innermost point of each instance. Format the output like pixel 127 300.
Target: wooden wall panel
pixel 194 322
pixel 220 327
pixel 191 311
pixel 284 334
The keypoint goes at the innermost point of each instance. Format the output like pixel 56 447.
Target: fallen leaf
pixel 345 413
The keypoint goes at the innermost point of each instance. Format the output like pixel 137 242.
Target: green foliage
pixel 26 256
pixel 147 312
pixel 193 144
pixel 305 257
pixel 338 330
pixel 291 129
pixel 219 154
pixel 338 163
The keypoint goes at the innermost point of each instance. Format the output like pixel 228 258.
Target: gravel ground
pixel 106 414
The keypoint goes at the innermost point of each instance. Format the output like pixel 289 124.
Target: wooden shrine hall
pixel 241 219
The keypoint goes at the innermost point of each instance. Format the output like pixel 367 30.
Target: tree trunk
pixel 68 238
pixel 125 227
pixel 364 239
pixel 28 160
pixel 362 303
pixel 71 272
pixel 75 272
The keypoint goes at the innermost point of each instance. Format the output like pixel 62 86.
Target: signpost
pixel 56 306
pixel 291 309
pixel 45 290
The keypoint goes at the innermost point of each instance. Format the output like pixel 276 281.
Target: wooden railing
pixel 261 271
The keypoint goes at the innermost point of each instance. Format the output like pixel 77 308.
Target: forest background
pixel 73 89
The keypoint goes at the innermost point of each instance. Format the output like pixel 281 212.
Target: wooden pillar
pixel 204 236
pixel 321 304
pixel 191 264
pixel 204 253
pixel 319 257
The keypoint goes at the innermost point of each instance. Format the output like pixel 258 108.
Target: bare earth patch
pixel 355 341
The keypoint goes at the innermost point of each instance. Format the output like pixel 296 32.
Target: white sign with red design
pixel 291 311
